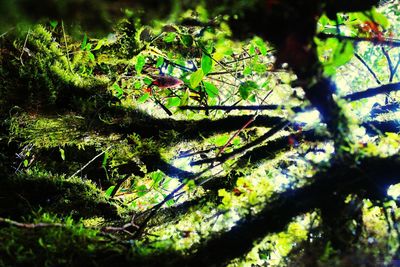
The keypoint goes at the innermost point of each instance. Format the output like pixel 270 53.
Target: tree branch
pixel 250 107
pixel 246 147
pixel 339 179
pixel 368 68
pixel 29 225
pixel 375 41
pixel 379 127
pixel 384 89
pixel 390 64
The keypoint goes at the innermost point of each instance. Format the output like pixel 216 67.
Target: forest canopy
pixel 200 133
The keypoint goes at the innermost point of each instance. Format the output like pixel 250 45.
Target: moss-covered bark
pixel 94 175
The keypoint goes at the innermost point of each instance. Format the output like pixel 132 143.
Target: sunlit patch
pixel 394 191
pixel 318 156
pixel 360 134
pixel 364 108
pixel 189 65
pixel 308 117
pixel 281 181
pixel 164 69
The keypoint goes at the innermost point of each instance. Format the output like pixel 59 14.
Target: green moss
pixel 22 193
pixel 46 75
pixel 69 245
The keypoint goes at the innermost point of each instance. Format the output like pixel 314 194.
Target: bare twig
pixel 23 48
pixel 376 41
pixel 250 107
pixel 397 66
pixel 383 89
pixel 390 64
pixel 87 164
pixel 242 128
pixel 368 68
pixel 66 46
pixel 30 225
pixel 244 148
pixel 123 228
pixel 106 229
pixel 5 33
pixel 238 60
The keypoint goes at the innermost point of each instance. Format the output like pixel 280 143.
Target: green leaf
pixel 226 197
pixel 361 16
pixel 26 163
pixel 252 50
pixel 265 85
pixel 109 191
pixel 62 153
pixel 221 140
pixel 211 89
pixel 41 243
pixel 170 37
pixel 380 18
pixel 247 71
pixel 343 53
pixel 99 44
pixel 170 202
pixel 323 20
pixel 260 68
pixel 84 42
pixel 88 47
pixel 173 102
pixel 261 45
pixel 141 190
pixel 53 23
pixel 91 56
pixel 105 158
pixel 143 98
pixel 140 62
pixel 191 184
pixel 206 63
pixel 186 40
pixel 185 98
pixel 118 91
pixel 157 177
pixel 246 88
pixel 147 80
pixel 160 62
pixel 137 85
pixel 196 78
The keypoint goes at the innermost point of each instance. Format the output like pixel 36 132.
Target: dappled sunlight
pixel 196 134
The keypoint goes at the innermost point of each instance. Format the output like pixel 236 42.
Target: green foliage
pixel 211 89
pixel 206 63
pixel 247 88
pixel 49 246
pixel 140 62
pixel 196 77
pixel 55 194
pixel 334 53
pixel 83 106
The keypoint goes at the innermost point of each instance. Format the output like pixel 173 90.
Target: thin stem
pixel 250 107
pixel 397 66
pixel 390 64
pixel 5 33
pixel 29 225
pixel 23 48
pixel 246 147
pixel 87 164
pixel 66 46
pixel 377 41
pixel 368 68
